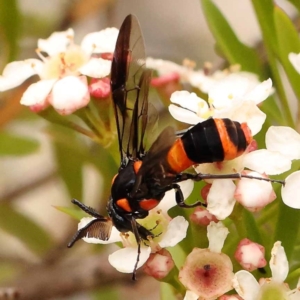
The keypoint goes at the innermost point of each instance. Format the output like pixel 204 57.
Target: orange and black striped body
pixel 213 140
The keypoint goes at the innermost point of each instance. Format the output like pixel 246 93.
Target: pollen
pixel 64 64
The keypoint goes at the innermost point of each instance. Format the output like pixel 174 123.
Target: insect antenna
pixel 86 209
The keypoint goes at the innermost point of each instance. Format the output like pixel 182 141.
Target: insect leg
pixel 138 240
pixel 180 199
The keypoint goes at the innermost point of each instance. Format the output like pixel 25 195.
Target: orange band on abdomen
pixel 177 158
pixel 229 148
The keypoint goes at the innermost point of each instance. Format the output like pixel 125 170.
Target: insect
pixel 145 176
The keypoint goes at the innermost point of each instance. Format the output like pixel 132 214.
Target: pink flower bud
pixel 167 84
pixel 108 56
pixel 207 274
pixel 250 255
pixel 159 264
pixel 165 79
pixel 254 194
pixel 205 191
pixel 100 88
pixel 201 216
pixel 36 108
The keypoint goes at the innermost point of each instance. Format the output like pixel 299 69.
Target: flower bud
pixel 99 88
pixel 250 255
pixel 159 264
pixel 254 194
pixel 201 216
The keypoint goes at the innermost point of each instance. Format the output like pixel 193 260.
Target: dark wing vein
pixel 97 228
pixel 129 84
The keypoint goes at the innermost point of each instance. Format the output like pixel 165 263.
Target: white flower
pixel 249 289
pixel 283 145
pixel 166 67
pixel 169 232
pixel 235 97
pixel 207 273
pixel 65 60
pixel 295 61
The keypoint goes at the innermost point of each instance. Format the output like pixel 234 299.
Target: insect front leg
pixel 180 199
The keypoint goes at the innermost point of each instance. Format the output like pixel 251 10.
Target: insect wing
pixel 129 84
pixel 97 228
pixel 156 156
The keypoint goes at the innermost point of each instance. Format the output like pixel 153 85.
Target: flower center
pixel 157 223
pixel 64 64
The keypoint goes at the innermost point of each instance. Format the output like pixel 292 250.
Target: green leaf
pixel 70 160
pixel 10 26
pixel 288 41
pixel 25 229
pixel 234 50
pixel 264 13
pixel 71 211
pixel 15 145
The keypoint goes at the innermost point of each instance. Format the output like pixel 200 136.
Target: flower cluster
pixel 64 69
pixel 71 74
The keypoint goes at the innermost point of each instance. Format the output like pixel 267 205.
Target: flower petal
pixel 175 233
pixel 261 92
pixel 169 200
pixel 284 140
pixel 224 167
pixel 290 192
pixel 232 87
pixel 184 115
pixel 245 111
pixel 37 93
pixel 165 67
pixel 103 41
pixel 96 68
pixel 295 61
pixel 17 72
pixel 189 101
pixel 216 233
pixel 279 264
pixel 246 285
pixel 124 259
pixel 221 204
pixel 189 295
pixel 57 42
pixel 268 162
pixel 69 94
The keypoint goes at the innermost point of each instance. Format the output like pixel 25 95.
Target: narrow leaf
pixel 16 145
pixel 288 41
pixel 232 48
pixel 25 229
pixel 10 26
pixel 71 211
